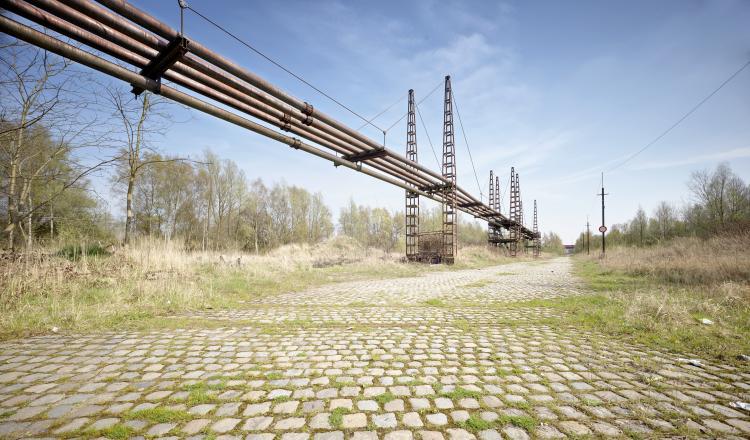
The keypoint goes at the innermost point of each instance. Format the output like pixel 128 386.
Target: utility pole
pixel 603 227
pixel 587 238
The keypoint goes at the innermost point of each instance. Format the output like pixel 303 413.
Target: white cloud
pixel 736 153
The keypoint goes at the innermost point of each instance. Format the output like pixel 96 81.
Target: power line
pixel 381 113
pixel 246 44
pixel 463 132
pixel 424 126
pixel 685 116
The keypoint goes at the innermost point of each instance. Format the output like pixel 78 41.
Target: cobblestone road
pixel 404 370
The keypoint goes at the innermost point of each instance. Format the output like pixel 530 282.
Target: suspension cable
pixel 424 127
pixel 381 113
pixel 246 44
pixel 419 102
pixel 463 131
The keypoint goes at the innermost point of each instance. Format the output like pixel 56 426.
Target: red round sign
pixel 602 229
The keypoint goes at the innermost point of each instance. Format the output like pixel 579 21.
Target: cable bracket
pixel 164 60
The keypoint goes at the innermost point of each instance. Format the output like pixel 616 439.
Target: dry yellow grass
pixel 151 279
pixel 659 295
pixel 687 260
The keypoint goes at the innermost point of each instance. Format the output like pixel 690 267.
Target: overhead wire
pixel 463 132
pixel 419 102
pixel 272 61
pixel 685 116
pixel 424 127
pixel 381 113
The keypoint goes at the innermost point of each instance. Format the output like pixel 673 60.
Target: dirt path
pixel 430 358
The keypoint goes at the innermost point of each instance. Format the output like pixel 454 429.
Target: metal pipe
pixel 190 66
pixel 119 52
pixel 252 107
pixel 66 50
pixel 113 20
pixel 150 23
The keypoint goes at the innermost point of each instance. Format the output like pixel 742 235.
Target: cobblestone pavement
pixel 435 375
pixel 508 283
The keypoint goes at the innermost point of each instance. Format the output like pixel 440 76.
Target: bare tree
pixel 665 217
pixel 722 195
pixel 42 122
pixel 140 120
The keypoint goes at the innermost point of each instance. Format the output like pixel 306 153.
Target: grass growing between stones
pixel 337 416
pixel 475 423
pixel 384 398
pixel 662 309
pixel 116 432
pixel 477 284
pixel 525 422
pixel 460 393
pixel 159 415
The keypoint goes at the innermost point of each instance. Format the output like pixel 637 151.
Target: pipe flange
pixel 308 111
pixel 286 121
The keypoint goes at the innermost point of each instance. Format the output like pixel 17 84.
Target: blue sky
pixel 560 90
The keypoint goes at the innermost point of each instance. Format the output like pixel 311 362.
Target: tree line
pixel 719 204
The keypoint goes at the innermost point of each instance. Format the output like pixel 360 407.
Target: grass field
pixel 659 296
pixel 81 290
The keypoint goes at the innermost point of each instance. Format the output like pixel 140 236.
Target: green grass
pixel 462 324
pixel 525 422
pixel 652 312
pixel 159 415
pixel 460 393
pixel 136 288
pixel 384 398
pixel 474 423
pixel 337 416
pixel 202 392
pixel 434 302
pixel 117 432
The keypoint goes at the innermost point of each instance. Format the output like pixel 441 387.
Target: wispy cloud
pixel 736 153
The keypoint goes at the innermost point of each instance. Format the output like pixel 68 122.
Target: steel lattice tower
pixel 537 240
pixel 493 202
pixel 522 242
pixel 498 208
pixel 449 173
pixel 412 198
pixel 515 208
